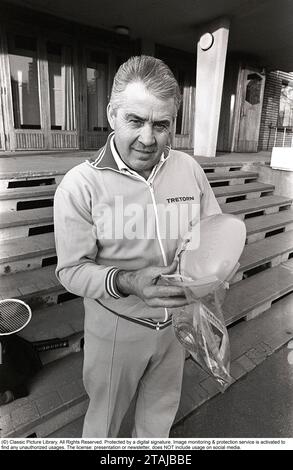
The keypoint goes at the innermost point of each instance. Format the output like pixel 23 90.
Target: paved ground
pixel 258 405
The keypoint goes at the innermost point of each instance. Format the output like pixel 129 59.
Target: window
pixel 184 113
pixel 97 91
pixel 61 87
pixel 24 82
pixel 285 117
pixel 253 88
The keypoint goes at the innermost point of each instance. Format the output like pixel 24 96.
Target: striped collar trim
pixel 105 158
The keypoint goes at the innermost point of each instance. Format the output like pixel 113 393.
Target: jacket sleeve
pixel 208 202
pixel 76 247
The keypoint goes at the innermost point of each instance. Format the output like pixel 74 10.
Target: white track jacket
pixel 108 217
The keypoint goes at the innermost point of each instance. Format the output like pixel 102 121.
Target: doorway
pixel 95 91
pixel 248 107
pixel 39 95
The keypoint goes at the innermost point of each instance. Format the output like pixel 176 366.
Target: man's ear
pixel 111 115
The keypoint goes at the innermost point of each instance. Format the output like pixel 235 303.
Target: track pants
pixel 122 358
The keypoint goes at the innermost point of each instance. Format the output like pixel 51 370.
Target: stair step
pixel 260 227
pixel 64 320
pixel 232 159
pixel 248 191
pixel 30 164
pixel 27 193
pixel 21 254
pixel 216 162
pixel 27 198
pixel 29 182
pixel 19 224
pixel 265 253
pixel 254 295
pixel 259 206
pixel 56 321
pixel 40 288
pixel 28 217
pixel 69 430
pixel 231 177
pixel 220 169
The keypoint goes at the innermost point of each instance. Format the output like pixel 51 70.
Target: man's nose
pixel 146 135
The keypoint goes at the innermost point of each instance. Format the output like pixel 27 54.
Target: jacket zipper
pixel 150 186
pixel 158 235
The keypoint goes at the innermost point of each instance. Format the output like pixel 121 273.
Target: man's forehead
pixel 137 99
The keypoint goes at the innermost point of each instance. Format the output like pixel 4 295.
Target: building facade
pixel 56 77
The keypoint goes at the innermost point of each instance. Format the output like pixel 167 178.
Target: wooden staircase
pixel 28 259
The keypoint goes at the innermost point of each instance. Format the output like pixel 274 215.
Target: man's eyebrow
pixel 134 116
pixel 165 122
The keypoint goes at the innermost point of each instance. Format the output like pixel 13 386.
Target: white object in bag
pixel 222 239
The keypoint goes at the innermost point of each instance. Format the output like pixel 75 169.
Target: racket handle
pixel 49 344
pixel 0 353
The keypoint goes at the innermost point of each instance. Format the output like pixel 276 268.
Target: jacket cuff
pixel 110 284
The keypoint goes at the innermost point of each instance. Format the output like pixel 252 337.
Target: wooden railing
pixel 95 140
pixel 36 139
pixel 64 139
pixel 182 141
pixel 29 140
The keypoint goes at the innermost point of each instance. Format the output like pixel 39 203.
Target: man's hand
pixel 143 283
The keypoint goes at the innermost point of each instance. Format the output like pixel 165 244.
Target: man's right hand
pixel 143 284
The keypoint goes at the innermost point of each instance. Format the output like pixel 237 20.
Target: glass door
pixel 97 96
pixel 2 133
pixel 184 121
pixel 2 93
pixel 40 94
pixel 249 101
pixel 25 92
pixel 63 133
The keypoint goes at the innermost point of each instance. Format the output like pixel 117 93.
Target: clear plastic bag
pixel 200 328
pixel 207 259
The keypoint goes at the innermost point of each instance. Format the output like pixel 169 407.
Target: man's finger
pixel 167 302
pixel 163 291
pixel 171 268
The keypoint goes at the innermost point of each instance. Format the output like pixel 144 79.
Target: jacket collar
pixel 105 159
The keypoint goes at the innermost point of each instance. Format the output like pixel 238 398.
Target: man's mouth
pixel 145 152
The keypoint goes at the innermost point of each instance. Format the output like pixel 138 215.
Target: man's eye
pixel 136 122
pixel 161 127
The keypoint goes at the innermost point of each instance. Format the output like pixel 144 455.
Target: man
pixel 114 260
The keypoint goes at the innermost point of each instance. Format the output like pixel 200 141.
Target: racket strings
pixel 13 316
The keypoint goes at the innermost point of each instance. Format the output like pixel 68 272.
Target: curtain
pixel 185 115
pixel 68 91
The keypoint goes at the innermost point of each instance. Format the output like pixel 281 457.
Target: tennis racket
pixel 14 316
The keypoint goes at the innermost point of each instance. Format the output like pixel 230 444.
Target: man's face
pixel 142 125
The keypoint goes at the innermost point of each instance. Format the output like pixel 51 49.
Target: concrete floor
pixel 30 162
pixel 258 405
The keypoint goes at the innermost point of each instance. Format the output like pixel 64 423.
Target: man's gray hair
pixel 152 72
